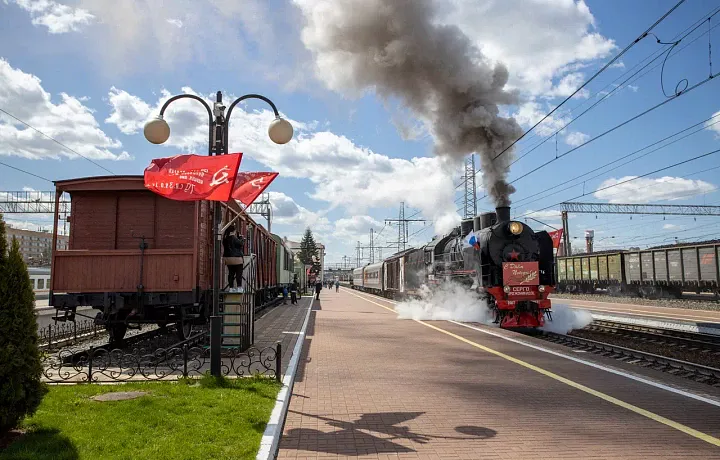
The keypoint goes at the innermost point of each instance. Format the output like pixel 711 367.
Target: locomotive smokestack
pixel 503 213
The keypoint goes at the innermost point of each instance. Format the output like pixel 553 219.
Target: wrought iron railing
pixel 187 359
pixel 54 334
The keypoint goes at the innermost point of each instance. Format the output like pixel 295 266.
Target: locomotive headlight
pixel 515 228
pixel 541 288
pixel 506 289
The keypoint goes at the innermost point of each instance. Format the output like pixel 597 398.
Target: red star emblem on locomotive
pixel 514 255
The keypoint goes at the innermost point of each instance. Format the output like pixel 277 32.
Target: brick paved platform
pixel 372 386
pixel 281 323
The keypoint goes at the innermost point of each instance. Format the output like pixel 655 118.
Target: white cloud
pixel 568 85
pixel 176 22
pixel 576 138
pixel 356 227
pixel 713 124
pixel 285 211
pixel 645 190
pixel 57 17
pixel 532 112
pixel 549 37
pixel 344 173
pixel 68 121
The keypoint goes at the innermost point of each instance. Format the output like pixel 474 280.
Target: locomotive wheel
pixel 117 333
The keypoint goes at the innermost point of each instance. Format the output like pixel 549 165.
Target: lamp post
pixel 157 131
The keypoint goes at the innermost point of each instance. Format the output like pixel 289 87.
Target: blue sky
pixel 349 167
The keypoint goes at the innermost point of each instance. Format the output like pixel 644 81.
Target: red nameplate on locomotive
pixel 521 274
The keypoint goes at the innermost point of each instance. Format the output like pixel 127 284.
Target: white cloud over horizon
pixel 67 120
pixel 646 190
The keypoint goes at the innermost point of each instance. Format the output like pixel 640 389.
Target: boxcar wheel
pixel 184 326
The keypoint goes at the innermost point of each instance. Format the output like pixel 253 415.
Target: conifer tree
pixel 21 389
pixel 309 251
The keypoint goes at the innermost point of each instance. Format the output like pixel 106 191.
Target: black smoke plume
pixel 395 48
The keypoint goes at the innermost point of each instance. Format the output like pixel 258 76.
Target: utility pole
pixel 372 248
pixel 358 254
pixel 470 189
pixel 402 227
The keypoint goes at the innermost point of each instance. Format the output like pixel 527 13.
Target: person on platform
pixel 285 295
pixel 233 256
pixel 293 291
pixel 318 288
pixel 337 285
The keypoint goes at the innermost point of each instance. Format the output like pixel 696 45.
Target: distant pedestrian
pixel 337 285
pixel 293 291
pixel 318 288
pixel 233 257
pixel 285 295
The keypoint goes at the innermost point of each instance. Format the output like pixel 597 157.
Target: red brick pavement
pixel 372 386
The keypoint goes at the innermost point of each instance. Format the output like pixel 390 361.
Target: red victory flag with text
pixel 556 237
pixel 193 177
pixel 248 185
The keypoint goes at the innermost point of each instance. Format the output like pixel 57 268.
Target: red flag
pixel 193 177
pixel 248 185
pixel 556 237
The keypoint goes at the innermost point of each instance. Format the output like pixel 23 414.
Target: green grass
pixel 204 419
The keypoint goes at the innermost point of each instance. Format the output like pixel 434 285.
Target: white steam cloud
pixel 453 302
pixel 449 302
pixel 566 319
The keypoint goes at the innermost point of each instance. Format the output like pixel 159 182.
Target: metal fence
pixel 187 359
pixel 55 334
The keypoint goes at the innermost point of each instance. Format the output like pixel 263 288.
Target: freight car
pixel 141 258
pixel 509 266
pixel 285 262
pixel 666 270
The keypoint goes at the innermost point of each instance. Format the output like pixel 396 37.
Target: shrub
pixel 20 369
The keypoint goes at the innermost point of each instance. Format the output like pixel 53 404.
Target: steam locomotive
pixel 509 266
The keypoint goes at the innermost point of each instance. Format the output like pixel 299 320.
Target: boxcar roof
pixel 101 183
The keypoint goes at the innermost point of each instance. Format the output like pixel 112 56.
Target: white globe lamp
pixel 157 130
pixel 280 131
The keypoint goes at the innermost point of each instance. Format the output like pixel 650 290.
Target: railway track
pixel 689 341
pixel 693 371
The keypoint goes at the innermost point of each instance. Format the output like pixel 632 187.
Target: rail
pixel 692 371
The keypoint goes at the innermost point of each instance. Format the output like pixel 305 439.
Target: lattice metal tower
pixel 470 189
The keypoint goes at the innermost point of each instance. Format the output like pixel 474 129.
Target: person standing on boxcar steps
pixel 233 255
pixel 318 288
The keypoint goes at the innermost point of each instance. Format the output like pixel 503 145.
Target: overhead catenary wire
pixel 616 127
pixel 704 155
pixel 56 141
pixel 702 125
pixel 26 172
pixel 669 52
pixel 618 56
pixel 628 81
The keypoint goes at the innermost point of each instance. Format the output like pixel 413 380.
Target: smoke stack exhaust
pixel 398 49
pixel 503 213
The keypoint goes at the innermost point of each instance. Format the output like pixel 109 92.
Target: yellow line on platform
pixel 645 413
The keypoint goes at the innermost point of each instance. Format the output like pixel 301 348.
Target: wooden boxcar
pixel 141 258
